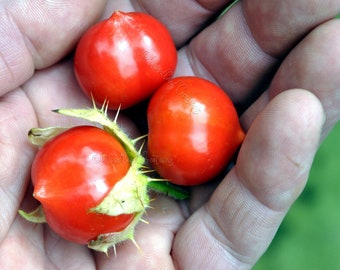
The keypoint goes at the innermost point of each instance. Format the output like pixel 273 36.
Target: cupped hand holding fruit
pixel 262 185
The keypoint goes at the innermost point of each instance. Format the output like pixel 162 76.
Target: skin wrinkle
pixel 12 41
pixel 198 69
pixel 297 72
pixel 213 6
pixel 50 245
pixel 4 209
pixel 15 190
pixel 273 37
pixel 140 6
pixel 239 217
pixel 272 199
pixel 46 55
pixel 55 243
pixel 26 233
pixel 174 17
pixel 7 67
pixel 239 57
pixel 31 35
pixel 321 56
pixel 6 140
pixel 29 43
pixel 226 245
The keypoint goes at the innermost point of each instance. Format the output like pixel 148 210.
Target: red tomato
pixel 194 130
pixel 71 174
pixel 124 59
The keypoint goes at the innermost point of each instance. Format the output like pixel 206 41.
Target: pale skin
pixel 229 227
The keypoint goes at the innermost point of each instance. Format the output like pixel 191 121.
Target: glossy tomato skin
pixel 124 59
pixel 194 130
pixel 71 174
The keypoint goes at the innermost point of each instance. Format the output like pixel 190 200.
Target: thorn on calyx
pixel 140 138
pixel 105 107
pixel 117 113
pixel 136 245
pixel 115 250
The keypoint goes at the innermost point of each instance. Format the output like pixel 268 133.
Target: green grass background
pixel 309 237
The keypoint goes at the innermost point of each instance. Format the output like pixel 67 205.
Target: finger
pixel 55 88
pixel 20 110
pixel 236 226
pixel 183 18
pixel 240 49
pixel 311 65
pixel 36 35
pixel 32 246
pixel 278 26
pixel 16 117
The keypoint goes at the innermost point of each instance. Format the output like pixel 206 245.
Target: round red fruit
pixel 194 130
pixel 124 59
pixel 72 173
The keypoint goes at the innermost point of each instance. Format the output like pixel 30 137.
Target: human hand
pixel 229 227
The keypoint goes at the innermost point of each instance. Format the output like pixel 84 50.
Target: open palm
pixel 225 226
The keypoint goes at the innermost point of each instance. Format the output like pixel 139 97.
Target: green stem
pixel 228 8
pixel 168 189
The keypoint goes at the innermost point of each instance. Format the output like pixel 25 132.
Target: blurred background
pixel 309 237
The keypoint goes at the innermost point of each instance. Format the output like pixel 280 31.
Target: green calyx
pixel 109 240
pixel 36 216
pixel 137 160
pixel 129 196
